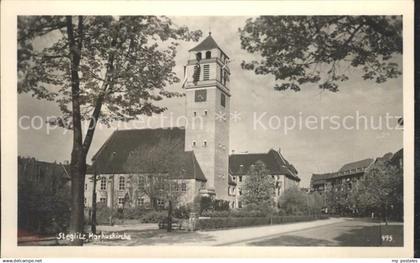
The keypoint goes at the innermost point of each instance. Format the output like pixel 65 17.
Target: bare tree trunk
pixel 78 157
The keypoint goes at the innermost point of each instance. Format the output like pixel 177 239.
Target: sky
pixel 253 98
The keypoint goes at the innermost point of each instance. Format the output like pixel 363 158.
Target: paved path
pixel 216 238
pixel 239 236
pixel 351 232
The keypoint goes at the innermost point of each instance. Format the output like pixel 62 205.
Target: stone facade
pixel 128 190
pixel 208 109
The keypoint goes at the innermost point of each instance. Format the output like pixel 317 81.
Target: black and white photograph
pixel 210 130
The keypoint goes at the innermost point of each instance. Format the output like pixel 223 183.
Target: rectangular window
pixel 160 203
pixel 206 72
pixel 85 186
pixel 122 183
pixel 240 178
pixel 102 200
pixel 120 201
pixel 140 201
pixel 223 99
pixel 141 184
pixel 183 187
pixel 103 183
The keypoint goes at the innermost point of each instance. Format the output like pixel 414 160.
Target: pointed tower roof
pixel 206 44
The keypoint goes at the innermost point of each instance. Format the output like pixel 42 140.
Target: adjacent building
pixel 283 173
pixel 351 172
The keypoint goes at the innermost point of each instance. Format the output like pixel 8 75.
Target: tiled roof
pixel 322 178
pixel 114 156
pixel 348 169
pixel 239 164
pixel 207 44
pixel 354 165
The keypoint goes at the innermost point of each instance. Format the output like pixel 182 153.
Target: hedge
pixel 103 215
pixel 230 222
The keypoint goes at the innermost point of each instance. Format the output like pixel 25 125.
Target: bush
pixel 243 212
pixel 154 216
pixel 135 212
pixel 182 212
pixel 103 214
pixel 206 204
pixel 215 213
pixel 221 205
pixel 41 208
pixel 296 202
pixel 229 222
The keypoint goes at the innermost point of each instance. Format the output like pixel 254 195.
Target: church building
pixel 194 158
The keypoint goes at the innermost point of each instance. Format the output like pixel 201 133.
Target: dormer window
pixel 208 54
pixel 194 143
pixel 195 114
pixel 198 56
pixel 205 113
pixel 205 144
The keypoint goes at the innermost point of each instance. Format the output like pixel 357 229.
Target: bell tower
pixel 208 110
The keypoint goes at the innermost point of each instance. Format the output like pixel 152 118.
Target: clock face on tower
pixel 200 95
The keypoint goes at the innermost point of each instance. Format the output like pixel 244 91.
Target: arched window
pixel 122 183
pixel 198 56
pixel 208 54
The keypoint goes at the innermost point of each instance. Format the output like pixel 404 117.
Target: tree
pixel 258 188
pixel 97 69
pixel 339 198
pixel 293 201
pixel 320 49
pixel 380 191
pixel 316 203
pixel 43 197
